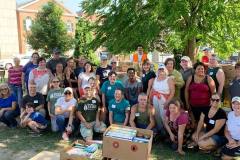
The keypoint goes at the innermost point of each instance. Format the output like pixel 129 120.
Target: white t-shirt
pixel 65 105
pixel 84 78
pixel 161 86
pixel 233 125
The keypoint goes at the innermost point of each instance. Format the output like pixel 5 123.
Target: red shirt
pixel 205 59
pixel 15 75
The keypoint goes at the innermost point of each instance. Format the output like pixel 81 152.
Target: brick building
pixel 26 14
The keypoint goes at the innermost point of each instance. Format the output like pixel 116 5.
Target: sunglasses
pixel 66 93
pixel 113 62
pixel 55 81
pixel 216 100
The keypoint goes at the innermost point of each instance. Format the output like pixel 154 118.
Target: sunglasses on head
pixel 216 100
pixel 66 93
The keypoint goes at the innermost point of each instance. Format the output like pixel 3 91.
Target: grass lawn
pixel 17 144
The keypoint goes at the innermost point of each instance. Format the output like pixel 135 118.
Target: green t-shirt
pixel 109 89
pixel 88 108
pixel 52 97
pixel 119 110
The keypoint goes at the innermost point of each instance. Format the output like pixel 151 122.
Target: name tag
pixel 113 106
pixel 109 88
pixel 128 108
pixel 230 83
pixel 93 101
pixel 211 73
pixel 211 121
pixel 35 101
pixel 137 114
pixel 143 75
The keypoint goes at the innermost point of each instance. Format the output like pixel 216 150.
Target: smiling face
pixel 55 83
pixel 142 100
pixel 88 67
pixel 170 66
pixel 42 64
pixel 112 78
pixel 236 107
pixel 215 101
pixel 184 64
pixel 174 109
pixel 200 70
pixel 146 67
pixel 118 95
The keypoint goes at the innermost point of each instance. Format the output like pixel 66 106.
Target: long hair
pixel 4 85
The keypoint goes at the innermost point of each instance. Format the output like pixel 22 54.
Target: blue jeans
pixel 17 90
pixel 61 122
pixel 9 117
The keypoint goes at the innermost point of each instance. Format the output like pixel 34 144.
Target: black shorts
pixel 234 152
pixel 197 112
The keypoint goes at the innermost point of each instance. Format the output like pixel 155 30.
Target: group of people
pixel 69 95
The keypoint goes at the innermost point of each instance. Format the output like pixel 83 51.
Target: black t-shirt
pixel 88 108
pixel 210 123
pixel 103 73
pixel 145 78
pixel 51 64
pixel 37 100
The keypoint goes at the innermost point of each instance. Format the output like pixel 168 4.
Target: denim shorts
pixel 219 140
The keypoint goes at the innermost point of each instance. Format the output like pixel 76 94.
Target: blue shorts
pixel 219 140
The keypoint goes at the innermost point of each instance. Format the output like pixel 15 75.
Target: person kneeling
pixel 33 119
pixel 88 112
pixel 178 126
pixel 142 114
pixel 119 109
pixel 214 119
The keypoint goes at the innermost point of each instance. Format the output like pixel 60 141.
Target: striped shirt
pixel 15 75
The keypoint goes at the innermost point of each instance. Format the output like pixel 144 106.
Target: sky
pixel 72 5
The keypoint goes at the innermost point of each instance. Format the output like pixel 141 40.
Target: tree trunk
pixel 190 48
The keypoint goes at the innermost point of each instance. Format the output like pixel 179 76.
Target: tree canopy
pixel 49 31
pixel 179 24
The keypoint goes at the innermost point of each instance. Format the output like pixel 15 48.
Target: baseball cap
pixel 56 51
pixel 236 99
pixel 186 58
pixel 68 89
pixel 104 57
pixel 161 66
pixel 206 49
pixel 86 86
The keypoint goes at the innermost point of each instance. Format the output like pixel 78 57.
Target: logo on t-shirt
pixel 88 107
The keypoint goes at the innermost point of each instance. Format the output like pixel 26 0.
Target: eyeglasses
pixel 66 93
pixel 216 100
pixel 55 81
pixel 113 62
pixel 3 89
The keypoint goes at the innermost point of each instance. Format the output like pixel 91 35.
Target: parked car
pixel 7 63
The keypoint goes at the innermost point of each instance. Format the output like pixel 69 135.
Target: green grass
pixel 19 140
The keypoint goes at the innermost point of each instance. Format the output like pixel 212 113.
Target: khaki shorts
pixel 88 133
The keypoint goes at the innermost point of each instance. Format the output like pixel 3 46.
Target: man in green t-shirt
pixel 88 111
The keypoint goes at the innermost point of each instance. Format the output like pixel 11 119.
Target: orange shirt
pixel 135 57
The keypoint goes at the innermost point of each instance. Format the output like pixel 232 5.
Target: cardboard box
pixel 127 150
pixel 65 156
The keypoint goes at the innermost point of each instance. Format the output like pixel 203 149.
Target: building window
pixel 69 26
pixel 27 23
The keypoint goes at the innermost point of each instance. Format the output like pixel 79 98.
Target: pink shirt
pixel 15 75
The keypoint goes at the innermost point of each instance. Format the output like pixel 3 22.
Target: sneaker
pixel 65 136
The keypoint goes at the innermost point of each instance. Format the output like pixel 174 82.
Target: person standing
pixel 15 80
pixel 216 73
pixel 175 75
pixel 133 87
pixel 103 70
pixel 51 64
pixel 28 68
pixel 234 86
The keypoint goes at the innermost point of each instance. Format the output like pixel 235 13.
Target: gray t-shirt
pixel 132 89
pixel 52 97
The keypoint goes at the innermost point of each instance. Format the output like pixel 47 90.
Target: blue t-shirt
pixel 7 102
pixel 27 69
pixel 109 89
pixel 119 110
pixel 37 117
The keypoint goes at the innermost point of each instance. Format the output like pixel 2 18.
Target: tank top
pixel 213 73
pixel 161 86
pixel 142 118
pixel 199 93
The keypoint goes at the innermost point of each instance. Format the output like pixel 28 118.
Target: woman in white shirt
pixel 162 92
pixel 84 77
pixel 232 132
pixel 64 111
